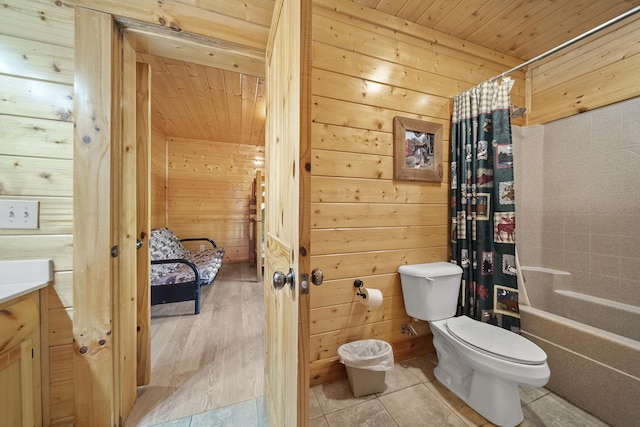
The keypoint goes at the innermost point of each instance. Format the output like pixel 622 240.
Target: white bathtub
pixel 593 345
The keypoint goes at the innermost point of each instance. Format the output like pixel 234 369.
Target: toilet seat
pixel 496 341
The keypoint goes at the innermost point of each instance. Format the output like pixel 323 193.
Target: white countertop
pixel 19 277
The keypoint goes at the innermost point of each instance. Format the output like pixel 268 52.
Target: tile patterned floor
pixel 412 398
pixel 244 414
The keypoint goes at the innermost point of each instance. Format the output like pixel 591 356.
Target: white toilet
pixel 481 363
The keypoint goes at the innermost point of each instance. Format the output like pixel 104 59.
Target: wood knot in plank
pixel 175 27
pixel 65 115
pixel 84 350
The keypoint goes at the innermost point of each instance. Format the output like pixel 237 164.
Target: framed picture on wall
pixel 417 149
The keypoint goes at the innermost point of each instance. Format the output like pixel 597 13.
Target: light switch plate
pixel 22 214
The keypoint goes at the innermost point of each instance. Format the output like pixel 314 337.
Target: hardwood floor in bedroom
pixel 205 361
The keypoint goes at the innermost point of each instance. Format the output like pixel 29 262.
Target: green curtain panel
pixel 483 210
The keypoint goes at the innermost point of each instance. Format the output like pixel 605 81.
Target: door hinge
pixel 114 251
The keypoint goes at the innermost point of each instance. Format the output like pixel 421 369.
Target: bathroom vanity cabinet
pixel 20 382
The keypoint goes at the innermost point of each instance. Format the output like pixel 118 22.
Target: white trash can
pixel 366 362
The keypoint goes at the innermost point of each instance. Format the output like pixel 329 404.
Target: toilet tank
pixel 430 290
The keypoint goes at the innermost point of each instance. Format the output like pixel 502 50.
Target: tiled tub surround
pixel 578 195
pixel 578 199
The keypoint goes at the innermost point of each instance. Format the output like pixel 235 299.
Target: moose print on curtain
pixel 483 218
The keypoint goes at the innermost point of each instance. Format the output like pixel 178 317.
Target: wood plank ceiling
pixel 208 103
pixel 198 102
pixel 522 29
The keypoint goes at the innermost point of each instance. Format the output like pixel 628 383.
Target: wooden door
pixel 20 385
pixel 286 230
pixel 143 204
pixel 16 393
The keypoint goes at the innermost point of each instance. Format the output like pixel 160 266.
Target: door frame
pixel 99 390
pixel 104 223
pixel 304 260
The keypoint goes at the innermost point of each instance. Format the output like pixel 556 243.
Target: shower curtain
pixel 483 217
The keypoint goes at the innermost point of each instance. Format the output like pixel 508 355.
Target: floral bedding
pixel 164 245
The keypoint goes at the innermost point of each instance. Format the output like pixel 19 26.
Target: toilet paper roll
pixel 373 297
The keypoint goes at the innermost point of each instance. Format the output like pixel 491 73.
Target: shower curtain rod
pixel 569 43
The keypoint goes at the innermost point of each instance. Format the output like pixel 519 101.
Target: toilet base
pixel 496 400
pixel 491 396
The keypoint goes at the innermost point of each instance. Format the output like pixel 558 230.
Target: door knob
pixel 317 277
pixel 280 279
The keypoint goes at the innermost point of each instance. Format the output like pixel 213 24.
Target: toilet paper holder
pixel 359 284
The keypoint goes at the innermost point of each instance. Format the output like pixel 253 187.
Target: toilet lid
pixel 497 341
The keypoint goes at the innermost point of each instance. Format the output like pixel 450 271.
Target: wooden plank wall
pixel 600 70
pixel 356 209
pixel 209 192
pixel 367 68
pixel 158 178
pixel 36 163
